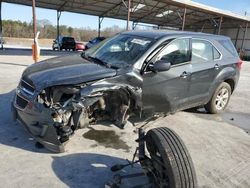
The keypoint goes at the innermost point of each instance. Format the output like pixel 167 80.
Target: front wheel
pixel 172 164
pixel 220 99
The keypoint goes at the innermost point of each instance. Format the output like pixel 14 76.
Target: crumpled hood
pixel 65 70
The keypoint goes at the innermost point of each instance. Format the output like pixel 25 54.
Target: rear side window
pixel 227 44
pixel 68 39
pixel 202 51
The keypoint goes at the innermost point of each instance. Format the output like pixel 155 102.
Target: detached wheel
pixel 220 99
pixel 172 164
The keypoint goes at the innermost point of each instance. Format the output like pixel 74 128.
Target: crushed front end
pixel 52 114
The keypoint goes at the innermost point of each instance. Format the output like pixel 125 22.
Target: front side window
pixel 202 51
pixel 176 52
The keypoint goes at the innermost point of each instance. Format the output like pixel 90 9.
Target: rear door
pixel 168 90
pixel 205 66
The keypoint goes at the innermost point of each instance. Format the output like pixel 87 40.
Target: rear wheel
pixel 220 99
pixel 172 164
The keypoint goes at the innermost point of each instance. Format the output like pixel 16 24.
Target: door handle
pixel 185 74
pixel 216 66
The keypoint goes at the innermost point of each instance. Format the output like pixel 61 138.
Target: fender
pixel 225 74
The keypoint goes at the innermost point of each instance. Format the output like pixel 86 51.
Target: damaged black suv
pixel 131 74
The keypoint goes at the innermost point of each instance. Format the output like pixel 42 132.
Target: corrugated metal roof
pixel 159 12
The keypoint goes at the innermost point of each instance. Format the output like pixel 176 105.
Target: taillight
pixel 238 64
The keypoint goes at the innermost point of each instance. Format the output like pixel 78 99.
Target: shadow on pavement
pixel 12 133
pixel 14 64
pixel 88 169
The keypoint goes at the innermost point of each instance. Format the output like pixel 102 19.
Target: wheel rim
pixel 222 98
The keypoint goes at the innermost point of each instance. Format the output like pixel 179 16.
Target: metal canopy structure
pixel 175 14
pixel 169 13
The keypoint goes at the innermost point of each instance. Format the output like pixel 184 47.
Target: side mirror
pixel 161 65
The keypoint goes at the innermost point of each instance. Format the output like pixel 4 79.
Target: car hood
pixel 65 70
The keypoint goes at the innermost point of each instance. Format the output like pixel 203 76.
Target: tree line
pixel 21 29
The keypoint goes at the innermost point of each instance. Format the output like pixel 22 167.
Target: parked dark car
pixel 131 74
pixel 94 42
pixel 66 43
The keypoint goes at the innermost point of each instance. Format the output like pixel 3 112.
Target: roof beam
pixel 61 7
pixel 114 7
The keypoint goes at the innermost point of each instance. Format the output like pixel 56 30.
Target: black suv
pixel 131 74
pixel 62 42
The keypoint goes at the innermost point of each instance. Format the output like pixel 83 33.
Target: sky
pixel 24 13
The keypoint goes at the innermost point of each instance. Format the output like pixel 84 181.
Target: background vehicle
pixel 94 42
pixel 133 73
pixel 66 43
pixel 80 46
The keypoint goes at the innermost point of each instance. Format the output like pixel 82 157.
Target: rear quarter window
pixel 216 53
pixel 228 45
pixel 68 39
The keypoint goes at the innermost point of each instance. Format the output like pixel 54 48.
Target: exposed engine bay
pixel 74 107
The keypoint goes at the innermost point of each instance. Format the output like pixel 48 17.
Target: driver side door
pixel 167 91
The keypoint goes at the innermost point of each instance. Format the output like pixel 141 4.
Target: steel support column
pixel 34 30
pixel 244 37
pixel 100 19
pixel 57 23
pixel 237 36
pixel 184 19
pixel 128 18
pixel 1 26
pixel 219 29
pixel 203 26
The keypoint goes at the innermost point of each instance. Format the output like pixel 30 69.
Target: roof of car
pixel 157 34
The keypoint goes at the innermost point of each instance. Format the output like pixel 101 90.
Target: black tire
pixel 177 170
pixel 212 106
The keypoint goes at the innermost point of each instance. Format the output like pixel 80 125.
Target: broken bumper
pixel 37 120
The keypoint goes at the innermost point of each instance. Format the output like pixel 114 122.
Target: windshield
pixel 120 51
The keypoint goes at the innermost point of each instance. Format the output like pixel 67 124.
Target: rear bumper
pixel 38 122
pixel 68 46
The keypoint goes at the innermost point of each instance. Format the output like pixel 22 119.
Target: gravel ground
pixel 219 144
